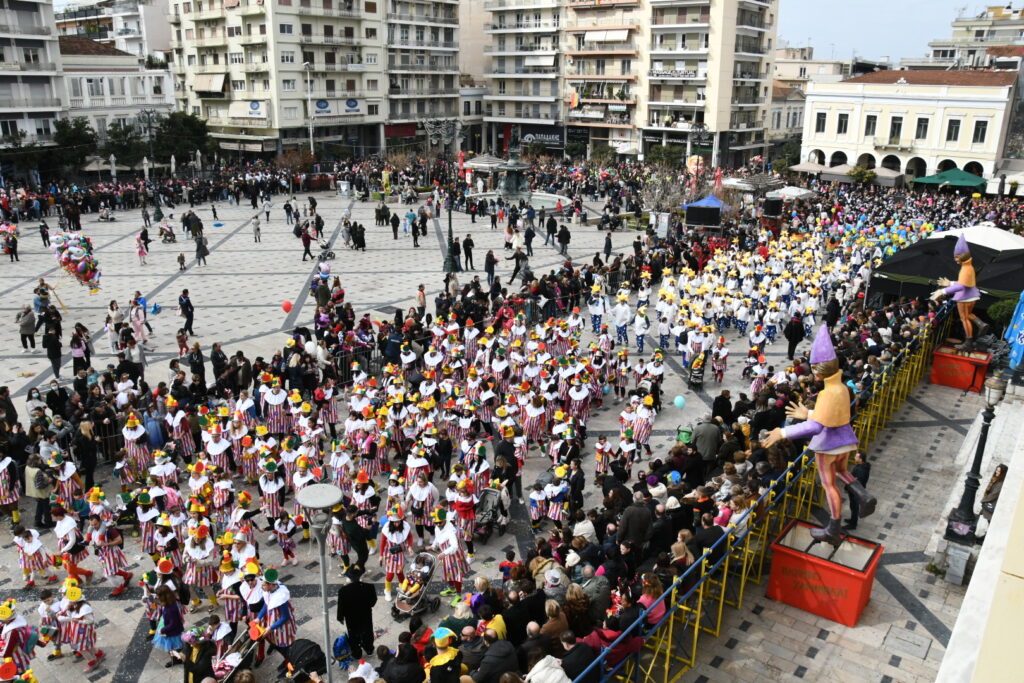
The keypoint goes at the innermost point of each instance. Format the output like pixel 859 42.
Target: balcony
pixel 254 39
pixel 601 4
pixel 525 72
pixel 210 41
pixel 681 20
pixel 425 44
pixel 589 48
pixel 546 26
pixel 749 76
pixel 677 74
pixel 748 101
pixel 252 7
pixel 441 68
pixel 28 66
pixel 340 12
pixel 516 93
pixel 594 75
pixel 421 92
pixel 606 122
pixel 173 18
pixel 668 123
pixel 519 116
pixel 423 18
pixel 254 67
pixel 30 103
pixel 684 102
pixel 520 4
pixel 512 49
pixel 210 14
pixel 751 21
pixel 249 123
pixel 894 143
pixel 337 66
pixel 320 39
pixel 674 49
pixel 751 49
pixel 26 30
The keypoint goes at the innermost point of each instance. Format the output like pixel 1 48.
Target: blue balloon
pixel 606 390
pixel 679 402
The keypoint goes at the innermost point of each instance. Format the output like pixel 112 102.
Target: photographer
pixel 39 484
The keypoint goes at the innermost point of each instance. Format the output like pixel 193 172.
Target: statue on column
pixel 832 437
pixel 965 293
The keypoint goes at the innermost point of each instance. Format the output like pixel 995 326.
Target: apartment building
pixel 786 116
pixel 31 94
pixel 631 74
pixel 107 86
pixel 797 66
pixel 269 76
pixel 915 122
pixel 138 27
pixel 422 42
pixel 972 40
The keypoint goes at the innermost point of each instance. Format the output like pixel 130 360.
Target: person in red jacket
pixel 601 638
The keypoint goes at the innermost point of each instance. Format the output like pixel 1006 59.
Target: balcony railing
pixel 676 73
pixel 342 12
pixel 593 73
pixel 604 47
pixel 421 43
pixel 676 20
pixel 26 30
pixel 316 38
pixel 523 25
pixel 748 101
pixel 423 67
pixel 749 75
pixel 751 48
pixel 28 66
pixel 423 18
pixel 520 115
pixel 418 92
pixel 512 4
pixel 601 4
pixel 526 47
pixel 896 143
pixel 515 92
pixel 29 102
pixel 525 71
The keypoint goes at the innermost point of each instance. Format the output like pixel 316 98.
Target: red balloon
pixel 287 306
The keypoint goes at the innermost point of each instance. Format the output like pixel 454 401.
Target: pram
pixel 241 655
pixel 326 253
pixel 695 380
pixel 408 603
pixel 491 510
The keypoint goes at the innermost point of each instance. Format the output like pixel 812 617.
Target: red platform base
pixel 965 371
pixel 835 585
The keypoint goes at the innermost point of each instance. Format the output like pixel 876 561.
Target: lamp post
pixel 962 521
pixel 147 118
pixel 449 259
pixel 319 499
pixel 309 100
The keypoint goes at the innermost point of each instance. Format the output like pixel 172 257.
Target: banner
pixel 337 107
pixel 551 136
pixel 1015 334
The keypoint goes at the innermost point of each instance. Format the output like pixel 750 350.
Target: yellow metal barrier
pixel 670 648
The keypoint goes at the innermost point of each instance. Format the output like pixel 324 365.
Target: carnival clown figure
pixel 831 437
pixel 964 292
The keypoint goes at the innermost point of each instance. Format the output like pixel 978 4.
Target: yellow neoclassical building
pixel 914 122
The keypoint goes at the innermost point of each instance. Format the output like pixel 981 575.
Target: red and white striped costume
pixel 393 547
pixel 452 548
pixel 200 563
pixel 32 555
pixel 276 604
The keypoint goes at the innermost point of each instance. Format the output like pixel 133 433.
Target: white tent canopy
pixel 808 167
pixel 484 162
pixel 985 235
pixel 790 192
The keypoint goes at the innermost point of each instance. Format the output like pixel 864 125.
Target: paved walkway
pixel 905 627
pixel 238 300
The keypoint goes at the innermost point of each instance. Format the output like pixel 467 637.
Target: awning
pixel 246 109
pixel 616 36
pixel 807 167
pixel 595 36
pixel 539 60
pixel 840 172
pixel 209 83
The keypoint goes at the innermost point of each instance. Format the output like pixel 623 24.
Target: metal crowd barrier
pixel 696 601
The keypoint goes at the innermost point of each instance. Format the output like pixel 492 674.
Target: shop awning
pixel 539 60
pixel 209 83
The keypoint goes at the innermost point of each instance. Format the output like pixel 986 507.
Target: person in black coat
pixel 355 609
pixel 794 334
pixel 405 666
pixel 577 484
pixel 578 656
pixel 722 407
pixel 499 658
pixel 706 537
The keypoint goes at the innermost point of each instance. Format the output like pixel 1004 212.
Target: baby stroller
pixel 106 214
pixel 491 511
pixel 167 235
pixel 326 253
pixel 240 656
pixel 695 381
pixel 412 599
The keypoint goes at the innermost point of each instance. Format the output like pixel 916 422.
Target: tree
pixel 602 155
pixel 75 139
pixel 666 156
pixel 791 151
pixel 125 142
pixel 575 150
pixel 781 166
pixel 534 150
pixel 182 134
pixel 860 174
pixel 663 194
pixel 295 161
pixel 23 156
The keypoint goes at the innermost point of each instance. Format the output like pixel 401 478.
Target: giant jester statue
pixel 832 437
pixel 965 293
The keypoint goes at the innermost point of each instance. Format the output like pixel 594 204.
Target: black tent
pixel 913 272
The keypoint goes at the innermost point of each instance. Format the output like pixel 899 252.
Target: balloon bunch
pixel 75 255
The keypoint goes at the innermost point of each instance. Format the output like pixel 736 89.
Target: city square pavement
pixel 238 298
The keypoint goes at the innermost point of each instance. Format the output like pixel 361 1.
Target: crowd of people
pixel 426 422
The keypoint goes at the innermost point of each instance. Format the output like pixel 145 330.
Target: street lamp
pixel 449 259
pixel 308 66
pixel 147 119
pixel 962 520
pixel 318 500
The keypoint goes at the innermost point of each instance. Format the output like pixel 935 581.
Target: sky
pixel 871 28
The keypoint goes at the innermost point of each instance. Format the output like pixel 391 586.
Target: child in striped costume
pixel 78 628
pixel 109 543
pixel 48 610
pixel 32 555
pixel 201 565
pixel 147 515
pixel 272 485
pixel 363 495
pixel 451 545
pixel 396 541
pixel 602 454
pixel 166 538
pixel 284 529
pixel 277 614
pixel 557 493
pixel 538 506
pixel 136 444
pixel 275 412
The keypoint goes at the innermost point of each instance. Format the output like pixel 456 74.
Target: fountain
pixel 514 185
